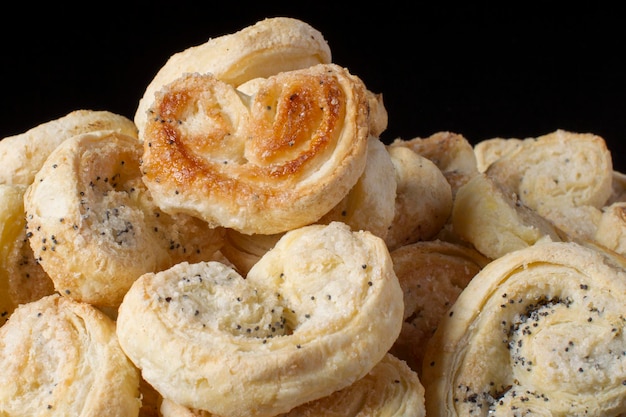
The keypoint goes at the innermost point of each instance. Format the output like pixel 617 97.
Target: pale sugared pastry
pixel 557 170
pixel 93 226
pixel 313 316
pixel 423 198
pixel 370 204
pixel 21 278
pixel 265 48
pixel 538 331
pixel 451 152
pixel 23 155
pixel 489 150
pixel 390 389
pixel 60 357
pixel 432 274
pixel 494 221
pixel 266 163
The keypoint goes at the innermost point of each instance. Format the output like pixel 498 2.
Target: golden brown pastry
pixel 21 278
pixel 264 164
pixel 263 49
pixel 494 221
pixel 538 331
pixel 314 315
pixel 390 389
pixel 423 198
pixel 93 226
pixel 370 204
pixel 432 274
pixel 559 169
pixel 23 155
pixel 60 357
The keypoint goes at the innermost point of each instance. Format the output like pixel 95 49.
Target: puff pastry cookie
pixel 92 224
pixel 263 49
pixel 538 331
pixel 23 155
pixel 559 169
pixel 266 163
pixel 313 316
pixel 60 357
pixel 390 389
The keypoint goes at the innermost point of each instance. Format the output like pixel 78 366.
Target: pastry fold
pixel 538 331
pixel 390 389
pixel 314 315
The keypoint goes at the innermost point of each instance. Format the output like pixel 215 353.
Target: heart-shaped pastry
pixel 265 163
pixel 314 315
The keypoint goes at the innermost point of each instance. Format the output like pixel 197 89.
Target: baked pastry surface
pixel 266 163
pixel 23 155
pixel 390 389
pixel 93 226
pixel 536 332
pixel 60 357
pixel 298 328
pixel 22 279
pixel 432 274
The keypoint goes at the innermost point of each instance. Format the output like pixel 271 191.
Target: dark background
pixel 507 71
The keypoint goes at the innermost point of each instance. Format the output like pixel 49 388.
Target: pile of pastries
pixel 247 245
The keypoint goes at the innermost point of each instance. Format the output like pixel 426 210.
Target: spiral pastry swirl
pixel 539 331
pixel 266 163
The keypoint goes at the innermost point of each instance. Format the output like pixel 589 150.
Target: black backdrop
pixel 508 71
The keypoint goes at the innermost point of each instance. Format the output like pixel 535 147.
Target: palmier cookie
pixel 60 357
pixel 92 223
pixel 560 169
pixel 266 163
pixel 265 48
pixel 23 155
pixel 537 332
pixel 390 389
pixel 313 316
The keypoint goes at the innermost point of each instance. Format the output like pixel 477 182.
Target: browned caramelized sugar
pixel 292 121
